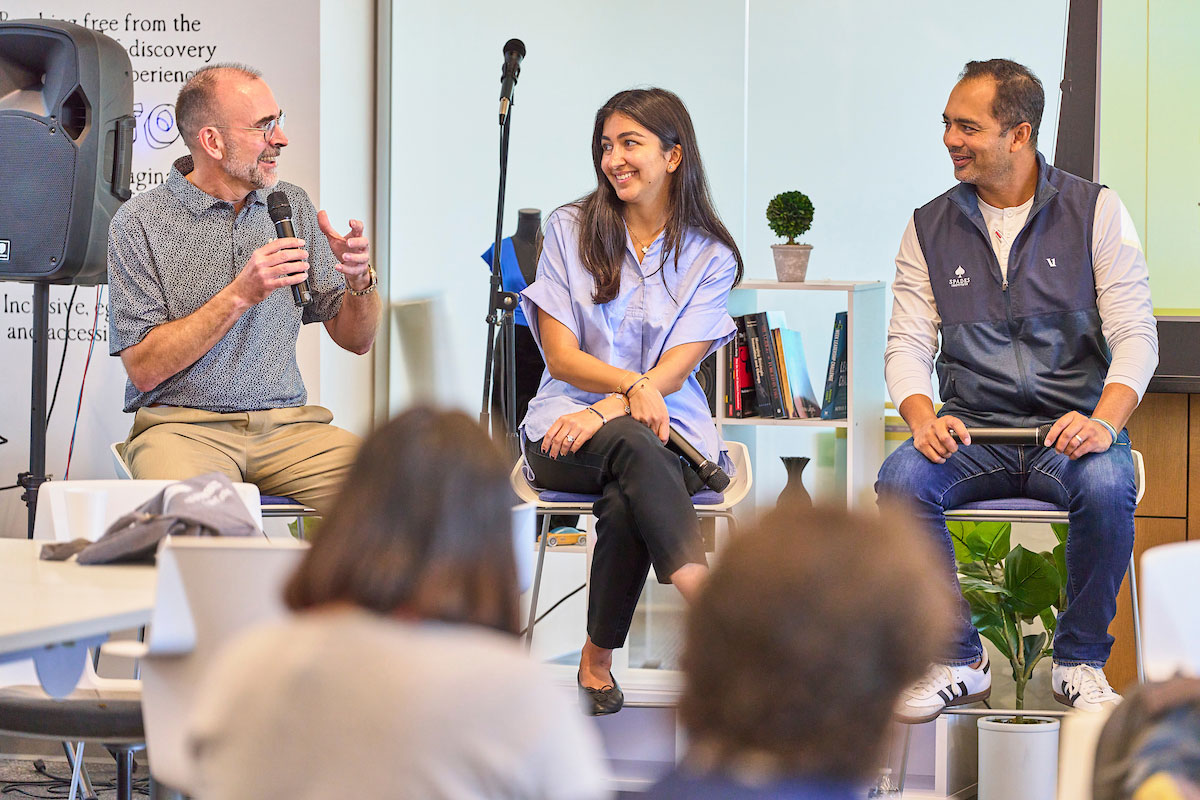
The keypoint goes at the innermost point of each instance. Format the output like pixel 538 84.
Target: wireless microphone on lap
pixel 713 476
pixel 1028 436
pixel 281 214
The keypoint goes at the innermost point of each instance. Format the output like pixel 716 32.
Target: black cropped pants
pixel 644 516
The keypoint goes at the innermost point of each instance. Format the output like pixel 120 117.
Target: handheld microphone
pixel 712 475
pixel 1027 436
pixel 514 51
pixel 281 214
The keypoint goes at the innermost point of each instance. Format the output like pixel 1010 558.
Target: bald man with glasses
pixel 202 311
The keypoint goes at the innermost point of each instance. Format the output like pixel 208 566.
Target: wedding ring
pixel 570 439
pixel 1079 438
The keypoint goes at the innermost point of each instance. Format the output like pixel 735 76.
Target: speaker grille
pixel 37 176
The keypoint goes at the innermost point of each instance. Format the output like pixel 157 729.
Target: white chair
pixel 270 506
pixel 103 710
pixel 209 590
pixel 1170 599
pixel 708 504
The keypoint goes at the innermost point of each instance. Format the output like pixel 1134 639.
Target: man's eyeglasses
pixel 267 129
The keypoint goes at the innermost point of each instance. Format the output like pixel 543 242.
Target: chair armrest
pixel 125 649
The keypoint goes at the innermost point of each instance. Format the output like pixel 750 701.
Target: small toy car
pixel 566 536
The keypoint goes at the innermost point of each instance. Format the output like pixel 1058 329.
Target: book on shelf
pixel 833 400
pixel 744 399
pixel 804 400
pixel 788 404
pixel 768 320
pixel 758 369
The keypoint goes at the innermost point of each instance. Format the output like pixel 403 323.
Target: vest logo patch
pixel 1050 261
pixel 4 248
pixel 961 280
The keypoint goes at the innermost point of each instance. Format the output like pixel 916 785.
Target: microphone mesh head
pixel 515 45
pixel 718 481
pixel 278 206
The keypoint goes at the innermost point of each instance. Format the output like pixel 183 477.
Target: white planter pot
pixel 1018 760
pixel 791 261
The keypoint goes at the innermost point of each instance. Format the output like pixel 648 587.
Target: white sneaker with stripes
pixel 1083 687
pixel 944 686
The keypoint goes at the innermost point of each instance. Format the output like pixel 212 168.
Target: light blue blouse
pixel 634 329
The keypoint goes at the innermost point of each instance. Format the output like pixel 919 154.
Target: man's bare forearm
pixel 916 409
pixel 1117 402
pixel 356 323
pixel 173 346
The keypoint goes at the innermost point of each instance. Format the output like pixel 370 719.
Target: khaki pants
pixel 290 452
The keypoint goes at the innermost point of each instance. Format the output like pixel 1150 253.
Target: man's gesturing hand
pixel 1075 435
pixel 352 251
pixel 277 264
pixel 933 440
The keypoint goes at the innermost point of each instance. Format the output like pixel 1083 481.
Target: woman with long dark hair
pixel 401 675
pixel 630 297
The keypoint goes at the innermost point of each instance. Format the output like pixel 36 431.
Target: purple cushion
pixel 705 497
pixel 273 500
pixel 1008 504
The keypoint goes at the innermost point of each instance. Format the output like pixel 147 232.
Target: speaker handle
pixel 123 158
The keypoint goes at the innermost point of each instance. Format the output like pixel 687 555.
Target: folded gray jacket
pixel 207 505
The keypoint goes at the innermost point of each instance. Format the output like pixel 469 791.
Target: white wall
pixel 347 64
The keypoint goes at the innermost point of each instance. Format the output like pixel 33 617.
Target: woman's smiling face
pixel 635 163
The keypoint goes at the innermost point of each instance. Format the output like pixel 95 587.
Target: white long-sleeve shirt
pixel 1122 298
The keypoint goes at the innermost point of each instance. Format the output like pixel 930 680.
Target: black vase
pixel 794 491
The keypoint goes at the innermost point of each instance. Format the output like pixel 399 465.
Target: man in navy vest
pixel 1036 281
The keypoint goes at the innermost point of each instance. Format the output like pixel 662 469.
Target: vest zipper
pixel 1016 346
pixel 1021 378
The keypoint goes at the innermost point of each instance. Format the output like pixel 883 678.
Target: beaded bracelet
pixel 596 411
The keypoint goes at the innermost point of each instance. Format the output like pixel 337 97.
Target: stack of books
pixel 766 375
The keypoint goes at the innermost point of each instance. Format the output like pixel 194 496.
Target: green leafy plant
pixel 1010 590
pixel 790 214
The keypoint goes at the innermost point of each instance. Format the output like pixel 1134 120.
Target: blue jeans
pixel 1099 494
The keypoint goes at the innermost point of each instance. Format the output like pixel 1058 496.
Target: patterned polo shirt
pixel 171 249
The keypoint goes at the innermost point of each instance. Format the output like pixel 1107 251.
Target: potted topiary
pixel 790 214
pixel 1010 591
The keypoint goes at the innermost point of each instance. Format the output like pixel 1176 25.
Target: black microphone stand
pixel 32 480
pixel 502 306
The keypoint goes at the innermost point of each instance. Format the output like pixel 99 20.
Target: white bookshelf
pixel 865 327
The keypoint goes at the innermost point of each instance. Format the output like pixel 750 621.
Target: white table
pixel 52 611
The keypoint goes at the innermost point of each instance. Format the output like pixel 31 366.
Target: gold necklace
pixel 645 248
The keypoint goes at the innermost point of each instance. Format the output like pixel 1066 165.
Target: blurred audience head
pixel 422 528
pixel 1150 746
pixel 803 638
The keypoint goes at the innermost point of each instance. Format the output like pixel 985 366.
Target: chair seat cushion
pixel 1009 504
pixel 705 497
pixel 104 716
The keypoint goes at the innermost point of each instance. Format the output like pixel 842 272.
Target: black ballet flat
pixel 598 702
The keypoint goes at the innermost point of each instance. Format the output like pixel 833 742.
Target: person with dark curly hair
pixel 797 649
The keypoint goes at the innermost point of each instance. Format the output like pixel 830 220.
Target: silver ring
pixel 1080 438
pixel 570 439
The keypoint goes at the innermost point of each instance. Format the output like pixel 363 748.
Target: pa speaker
pixel 66 143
